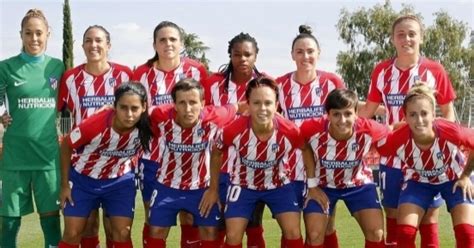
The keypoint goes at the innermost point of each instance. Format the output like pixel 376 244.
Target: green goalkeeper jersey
pixel 28 88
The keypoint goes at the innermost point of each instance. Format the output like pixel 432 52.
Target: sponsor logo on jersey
pixel 433 172
pixel 334 164
pixel 96 101
pixel 301 113
pixel 162 99
pixel 395 100
pixel 18 83
pixel 194 148
pixel 258 164
pixel 37 103
pixel 53 82
pixel 119 153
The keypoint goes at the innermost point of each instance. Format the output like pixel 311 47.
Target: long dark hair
pixel 143 125
pixel 164 24
pixel 227 69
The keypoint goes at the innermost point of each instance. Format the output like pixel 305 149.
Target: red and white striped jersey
pixel 101 152
pixel 304 101
pixel 217 94
pixel 260 165
pixel 159 84
pixel 83 93
pixel 390 85
pixel 185 152
pixel 340 163
pixel 442 162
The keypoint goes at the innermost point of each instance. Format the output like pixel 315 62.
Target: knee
pixel 72 235
pixel 374 234
pixel 121 234
pixel 315 237
pixel 208 233
pixel 233 237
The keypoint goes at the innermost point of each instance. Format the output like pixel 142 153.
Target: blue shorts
pixel 166 202
pixel 356 199
pixel 117 195
pixel 224 185
pixel 422 194
pixel 390 183
pixel 147 173
pixel 300 192
pixel 241 201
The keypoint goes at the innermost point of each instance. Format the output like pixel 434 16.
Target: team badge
pixel 112 81
pixel 200 132
pixel 317 90
pixel 354 147
pixel 416 79
pixel 439 155
pixel 274 147
pixel 136 141
pixel 53 82
pixel 181 76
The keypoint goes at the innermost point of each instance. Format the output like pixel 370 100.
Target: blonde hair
pixel 34 13
pixel 408 17
pixel 420 90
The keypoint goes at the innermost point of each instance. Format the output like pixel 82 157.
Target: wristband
pixel 311 182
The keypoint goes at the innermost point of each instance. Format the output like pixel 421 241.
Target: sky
pixel 274 24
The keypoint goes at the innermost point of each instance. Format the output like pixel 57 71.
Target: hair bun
pixel 305 29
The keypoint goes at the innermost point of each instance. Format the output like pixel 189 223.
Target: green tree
pixel 195 48
pixel 68 54
pixel 367 34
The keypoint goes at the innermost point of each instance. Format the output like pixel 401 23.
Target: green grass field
pixel 349 232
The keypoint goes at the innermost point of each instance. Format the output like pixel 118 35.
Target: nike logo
pixel 295 203
pixel 190 242
pixel 218 217
pixel 58 202
pixel 16 83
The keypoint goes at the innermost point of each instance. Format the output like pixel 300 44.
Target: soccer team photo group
pixel 210 153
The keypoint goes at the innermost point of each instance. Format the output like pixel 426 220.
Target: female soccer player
pixel 100 171
pixel 302 96
pixel 86 88
pixel 30 161
pixel 391 80
pixel 159 75
pixel 263 143
pixel 228 87
pixel 336 145
pixel 430 150
pixel 186 131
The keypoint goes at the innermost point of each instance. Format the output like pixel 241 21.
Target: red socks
pixel 221 237
pixel 63 244
pixel 126 244
pixel 406 235
pixel 155 243
pixel 429 235
pixel 464 235
pixel 391 234
pixel 90 242
pixel 374 244
pixel 255 237
pixel 210 244
pixel 314 246
pixel 109 243
pixel 331 240
pixel 294 243
pixel 190 237
pixel 145 233
pixel 232 246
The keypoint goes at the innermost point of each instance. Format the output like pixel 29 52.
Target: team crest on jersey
pixel 416 79
pixel 355 147
pixel 136 140
pixel 439 155
pixel 274 147
pixel 200 132
pixel 181 76
pixel 112 81
pixel 317 90
pixel 53 82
